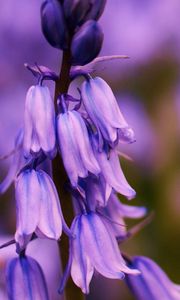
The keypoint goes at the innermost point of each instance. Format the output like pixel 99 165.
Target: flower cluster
pixel 87 133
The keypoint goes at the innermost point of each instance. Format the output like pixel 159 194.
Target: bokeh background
pixel 147 86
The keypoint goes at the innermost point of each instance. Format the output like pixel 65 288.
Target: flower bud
pixel 53 24
pixel 75 11
pixel 86 43
pixel 97 8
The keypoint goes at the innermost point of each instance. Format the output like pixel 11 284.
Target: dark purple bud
pixel 86 43
pixel 53 24
pixel 75 11
pixel 97 8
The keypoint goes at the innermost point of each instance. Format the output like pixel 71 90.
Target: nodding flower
pixel 25 279
pixel 95 248
pixel 75 147
pixel 152 283
pixel 104 112
pixel 39 122
pixel 38 207
pixel 111 170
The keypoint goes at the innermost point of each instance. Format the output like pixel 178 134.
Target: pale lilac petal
pixel 75 147
pixel 28 125
pixel 28 198
pixel 69 151
pixel 116 212
pixel 123 210
pixel 25 280
pixel 50 216
pixel 85 148
pixel 102 108
pixel 112 172
pixel 39 121
pixel 152 283
pixel 81 268
pixel 102 248
pixel 44 120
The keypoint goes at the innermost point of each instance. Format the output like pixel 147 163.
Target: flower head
pixel 39 122
pixel 25 280
pixel 104 111
pixel 76 150
pixel 38 207
pixel 152 283
pixel 95 248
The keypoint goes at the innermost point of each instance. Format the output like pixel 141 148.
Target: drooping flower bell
pixel 95 248
pixel 75 147
pixel 25 280
pixel 117 212
pixel 39 122
pixel 104 111
pixel 38 207
pixel 111 170
pixel 152 283
pixel 86 43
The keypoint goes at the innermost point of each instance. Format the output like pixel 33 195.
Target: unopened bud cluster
pixel 73 24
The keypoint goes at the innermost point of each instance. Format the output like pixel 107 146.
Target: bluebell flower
pixel 103 110
pixel 152 283
pixel 25 280
pixel 95 248
pixel 112 172
pixel 76 150
pixel 39 122
pixel 117 212
pixel 38 207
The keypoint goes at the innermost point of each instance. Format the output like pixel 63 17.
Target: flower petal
pixel 81 268
pixel 25 280
pixel 102 248
pixel 28 197
pixel 50 216
pixel 152 283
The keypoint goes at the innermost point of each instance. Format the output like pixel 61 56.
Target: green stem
pixel 60 178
